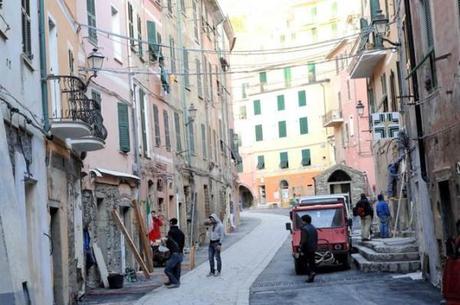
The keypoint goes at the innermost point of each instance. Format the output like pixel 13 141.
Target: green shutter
pixel 257 108
pixel 280 99
pixel 303 125
pixel 152 39
pixel 311 72
pixel 203 141
pixel 91 12
pixel 259 133
pixel 156 122
pixel 306 158
pixel 375 7
pixel 284 161
pixel 287 76
pixel 143 122
pixel 192 137
pixel 178 136
pixel 282 129
pixel 260 162
pixel 302 98
pixel 263 77
pixel 166 126
pixel 123 127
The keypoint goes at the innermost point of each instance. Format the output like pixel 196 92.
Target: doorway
pixel 448 222
pixel 54 69
pixel 56 246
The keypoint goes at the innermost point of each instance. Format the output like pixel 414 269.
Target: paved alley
pixel 242 264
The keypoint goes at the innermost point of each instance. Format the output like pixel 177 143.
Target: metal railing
pixel 331 116
pixel 69 93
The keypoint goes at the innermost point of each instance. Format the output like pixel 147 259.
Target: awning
pixel 99 172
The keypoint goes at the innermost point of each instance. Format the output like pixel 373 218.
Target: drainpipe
pixel 42 41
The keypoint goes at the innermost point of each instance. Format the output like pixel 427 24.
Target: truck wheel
pixel 299 267
pixel 345 261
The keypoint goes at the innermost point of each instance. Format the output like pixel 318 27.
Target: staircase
pixel 397 255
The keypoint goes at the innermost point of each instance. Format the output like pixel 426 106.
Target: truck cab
pixel 331 217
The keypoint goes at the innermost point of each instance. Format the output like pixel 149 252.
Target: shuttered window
pixel 26 29
pixel 123 127
pixel 282 129
pixel 302 98
pixel 260 162
pixel 191 130
pixel 152 39
pixel 139 36
pixel 203 141
pixel 284 161
pixel 156 123
pixel 311 73
pixel 167 135
pixel 178 136
pixel 263 77
pixel 287 76
pixel 91 12
pixel 303 122
pixel 257 109
pixel 143 122
pixel 130 25
pixel 186 69
pixel 172 54
pixel 280 99
pixel 306 158
pixel 259 133
pixel 199 84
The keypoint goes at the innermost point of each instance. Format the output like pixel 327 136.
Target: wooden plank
pixel 143 236
pixel 131 245
pixel 192 257
pixel 101 265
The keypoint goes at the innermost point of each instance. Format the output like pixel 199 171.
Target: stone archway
pixel 246 197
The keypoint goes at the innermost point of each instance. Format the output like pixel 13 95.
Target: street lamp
pixel 191 113
pixel 360 108
pixel 95 61
pixel 380 23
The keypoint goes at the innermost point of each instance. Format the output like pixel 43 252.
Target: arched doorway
pixel 340 183
pixel 246 197
pixel 284 192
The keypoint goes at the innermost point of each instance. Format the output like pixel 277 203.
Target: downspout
pixel 43 74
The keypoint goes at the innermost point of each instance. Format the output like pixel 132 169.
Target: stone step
pixel 387 266
pixel 372 255
pixel 388 246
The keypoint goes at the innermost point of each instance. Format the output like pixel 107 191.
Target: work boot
pixel 173 286
pixel 311 278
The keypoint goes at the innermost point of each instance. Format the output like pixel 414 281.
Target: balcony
pixel 364 64
pixel 332 118
pixel 75 118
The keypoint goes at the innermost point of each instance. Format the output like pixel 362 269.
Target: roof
pixel 99 172
pixel 319 206
pixel 320 198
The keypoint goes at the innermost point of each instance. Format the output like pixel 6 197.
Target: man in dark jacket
pixel 308 246
pixel 175 244
pixel 364 210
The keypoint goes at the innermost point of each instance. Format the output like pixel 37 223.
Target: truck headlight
pixel 338 246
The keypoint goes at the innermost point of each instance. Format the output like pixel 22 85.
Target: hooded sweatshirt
pixel 217 230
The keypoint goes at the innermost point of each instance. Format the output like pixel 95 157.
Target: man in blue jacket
pixel 309 245
pixel 383 212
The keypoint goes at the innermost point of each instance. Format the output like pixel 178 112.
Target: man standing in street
pixel 308 246
pixel 216 236
pixel 383 213
pixel 175 244
pixel 364 210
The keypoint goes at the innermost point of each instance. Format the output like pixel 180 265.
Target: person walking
pixel 364 210
pixel 175 243
pixel 155 225
pixel 383 213
pixel 216 236
pixel 308 246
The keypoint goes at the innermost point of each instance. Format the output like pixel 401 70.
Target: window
pixel 203 141
pixel 311 73
pixel 199 84
pixel 284 161
pixel 282 38
pixel 143 122
pixel 303 122
pixel 123 127
pixel 139 36
pixel 170 7
pixel 244 90
pixel 156 122
pixel 95 95
pixel 260 162
pixel 91 12
pixel 172 54
pixel 259 133
pixel 280 100
pixel 195 21
pixel 302 98
pixel 152 39
pixel 314 34
pixel 334 8
pixel 71 62
pixel 394 105
pixel 287 76
pixel 306 158
pixel 167 135
pixel 334 28
pixel 191 131
pixel 282 129
pixel 182 6
pixel 26 29
pixel 117 43
pixel 239 166
pixel 243 114
pixel 257 109
pixel 186 70
pixel 313 12
pixel 262 80
pixel 131 25
pixel 177 127
pixel 348 89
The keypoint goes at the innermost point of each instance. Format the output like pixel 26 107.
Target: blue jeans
pixel 384 227
pixel 172 268
pixel 214 252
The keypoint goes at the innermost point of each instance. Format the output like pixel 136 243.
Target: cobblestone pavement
pixel 278 285
pixel 242 263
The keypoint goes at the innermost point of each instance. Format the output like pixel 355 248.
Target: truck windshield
pixel 323 218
